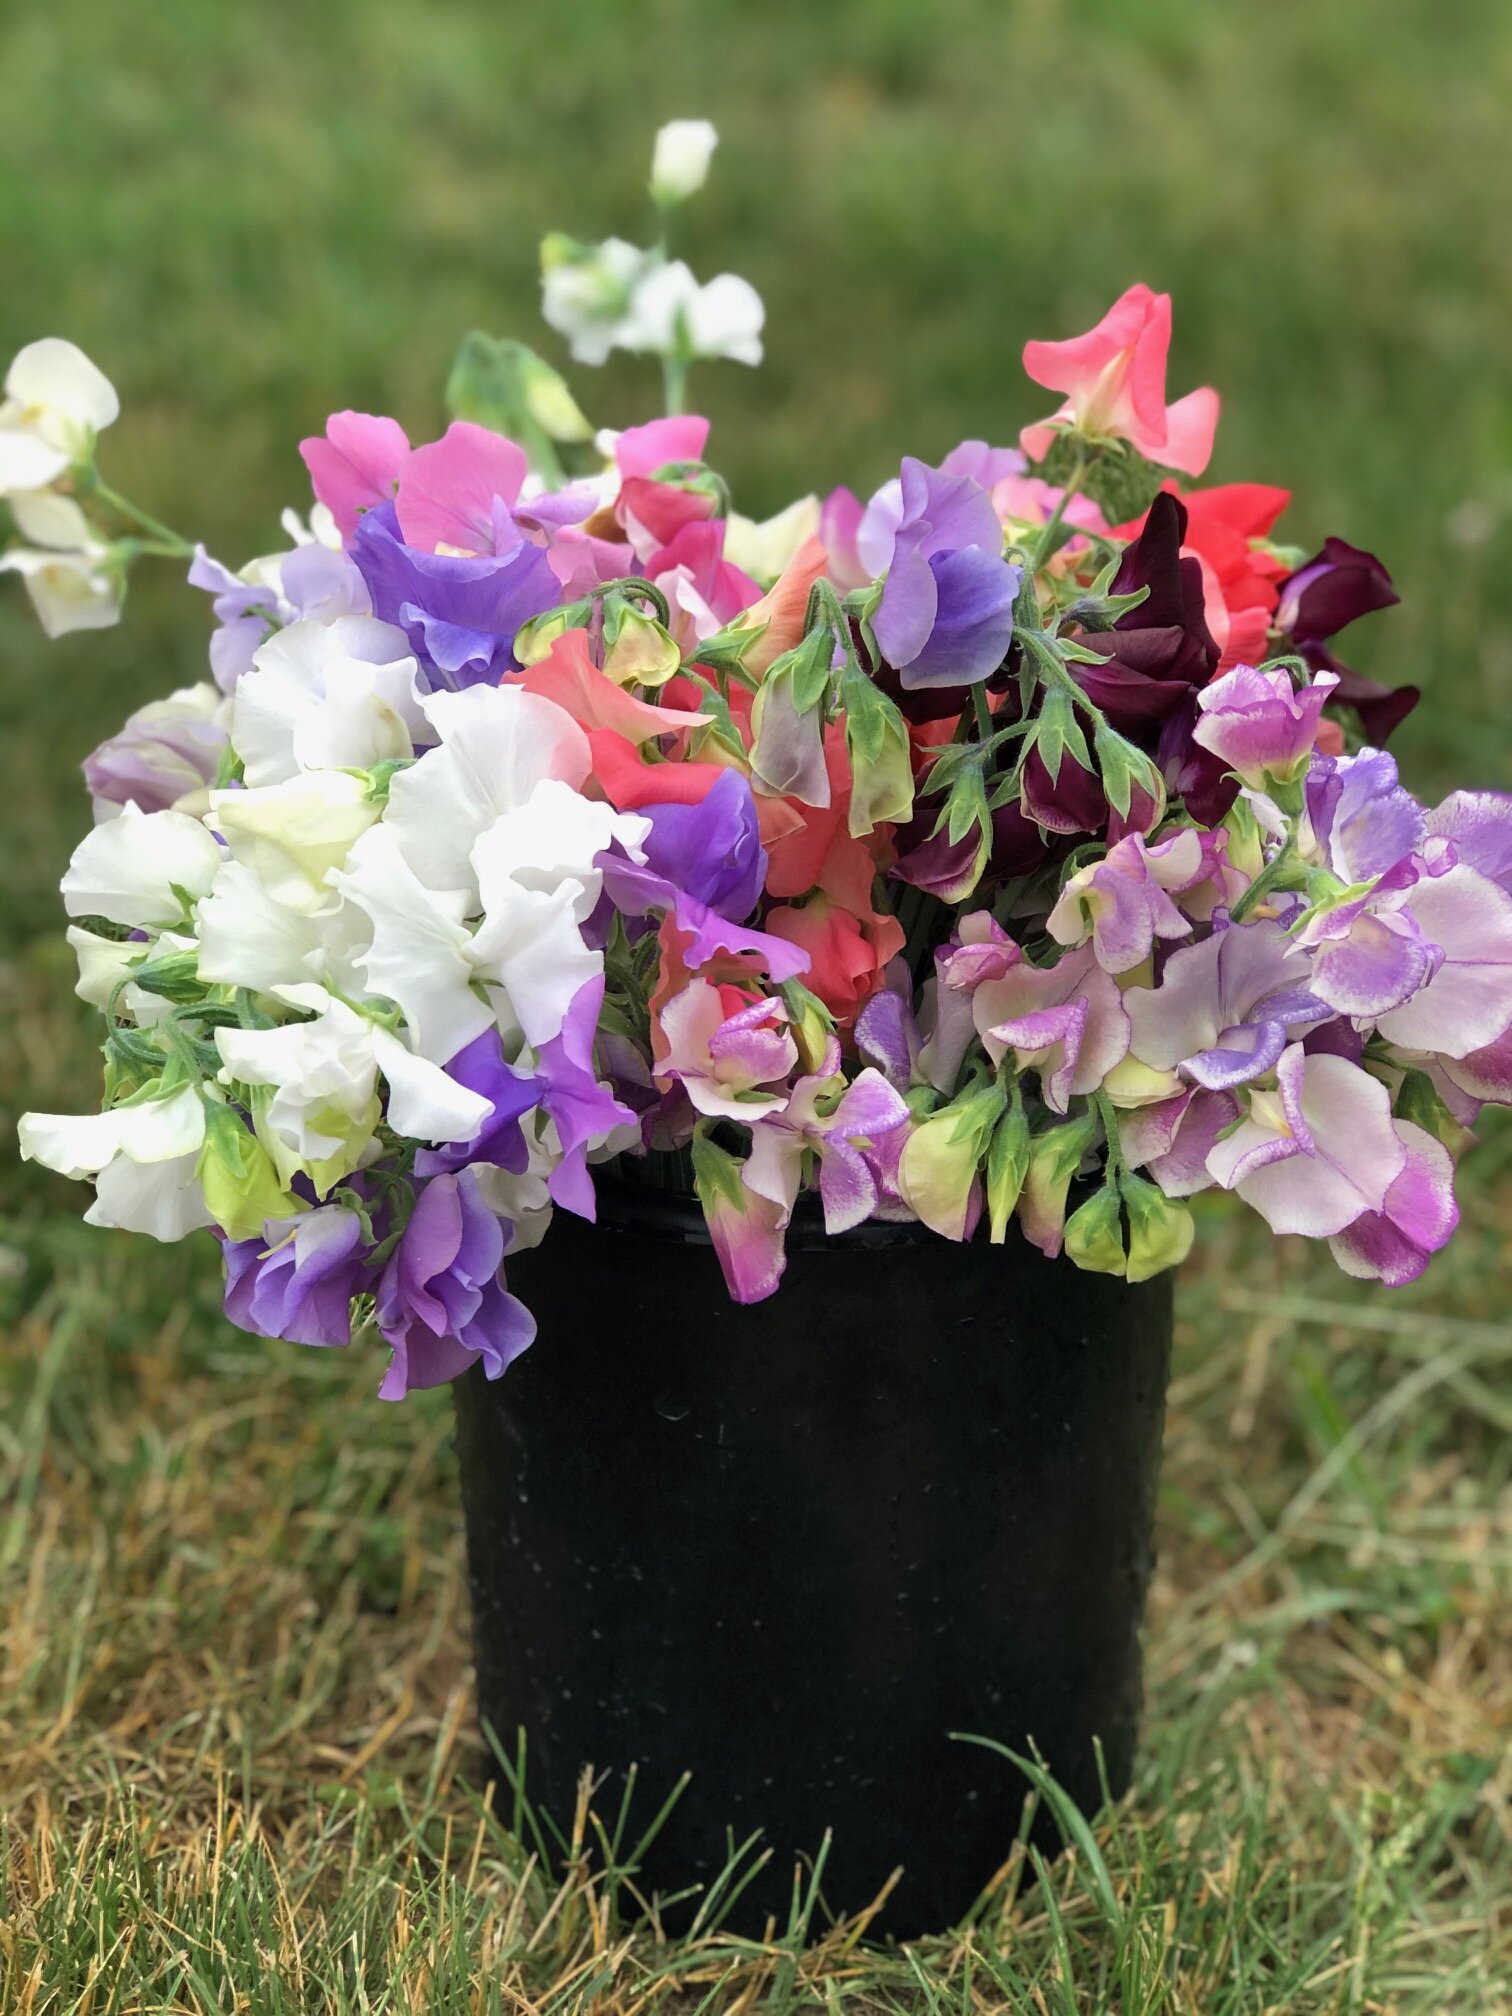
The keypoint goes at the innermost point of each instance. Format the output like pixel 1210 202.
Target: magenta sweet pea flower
pixel 1259 725
pixel 442 1303
pixel 946 614
pixel 1115 379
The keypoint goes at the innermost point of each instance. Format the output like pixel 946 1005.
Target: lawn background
pixel 234 1725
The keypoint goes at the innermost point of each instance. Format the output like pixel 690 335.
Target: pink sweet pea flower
pixel 728 1049
pixel 568 676
pixel 455 494
pixel 641 451
pixel 1115 377
pixel 355 464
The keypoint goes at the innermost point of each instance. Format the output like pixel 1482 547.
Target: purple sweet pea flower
pixel 442 1303
pixel 460 615
pixel 1363 821
pixel 164 751
pixel 310 581
pixel 1258 725
pixel 297 1283
pixel 583 1110
pixel 1172 1139
pixel 1479 826
pixel 480 1066
pixel 711 851
pixel 637 888
pixel 946 614
pixel 1225 1008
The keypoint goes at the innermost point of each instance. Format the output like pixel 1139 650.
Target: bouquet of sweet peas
pixel 1009 847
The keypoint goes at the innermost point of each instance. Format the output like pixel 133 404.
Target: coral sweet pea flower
pixel 1114 378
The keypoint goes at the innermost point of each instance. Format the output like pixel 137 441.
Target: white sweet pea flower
pixel 671 315
pixel 142 1158
pixel 554 837
pixel 67 569
pixel 680 161
pixel 107 963
pixel 763 549
pixel 247 938
pixel 497 744
pixel 292 835
pixel 141 868
pixel 518 970
pixel 55 403
pixel 323 696
pixel 585 291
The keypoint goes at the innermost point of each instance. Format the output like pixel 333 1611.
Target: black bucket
pixel 794 1548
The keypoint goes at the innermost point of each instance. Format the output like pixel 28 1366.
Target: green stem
pixel 982 712
pixel 1109 1117
pixel 176 548
pixel 675 382
pixel 1264 882
pixel 1048 542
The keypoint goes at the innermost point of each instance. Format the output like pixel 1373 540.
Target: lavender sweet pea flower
pixel 165 751
pixel 1362 820
pixel 442 1303
pixel 1225 1009
pixel 711 851
pixel 310 581
pixel 1318 1152
pixel 946 614
pixel 1123 902
pixel 1479 826
pixel 1258 725
pixel 583 1110
pixel 460 615
pixel 298 1282
pixel 480 1066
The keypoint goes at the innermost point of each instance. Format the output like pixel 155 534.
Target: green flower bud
pixel 1007 1168
pixel 238 1178
pixel 942 1156
pixel 1094 1234
pixel 1160 1228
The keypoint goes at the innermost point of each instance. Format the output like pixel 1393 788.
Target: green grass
pixel 235 1714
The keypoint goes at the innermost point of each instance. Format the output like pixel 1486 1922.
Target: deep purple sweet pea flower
pixel 1160 651
pixel 946 614
pixel 460 615
pixel 309 581
pixel 582 1109
pixel 1332 590
pixel 298 1281
pixel 442 1303
pixel 712 851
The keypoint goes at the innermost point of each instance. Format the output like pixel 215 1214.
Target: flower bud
pixel 1094 1234
pixel 1054 1159
pixel 1161 1230
pixel 638 651
pixel 236 1173
pixel 937 1173
pixel 680 163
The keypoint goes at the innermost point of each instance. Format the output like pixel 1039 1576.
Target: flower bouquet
pixel 1008 849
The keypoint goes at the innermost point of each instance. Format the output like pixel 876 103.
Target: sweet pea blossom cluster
pixel 1008 848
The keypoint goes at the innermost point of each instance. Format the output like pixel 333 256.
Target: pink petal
pixel 447 489
pixel 355 464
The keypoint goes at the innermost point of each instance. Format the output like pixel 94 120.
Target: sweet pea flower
pixel 728 1050
pixel 168 751
pixel 1415 1221
pixel 585 292
pixel 1172 1138
pixel 1115 376
pixel 946 613
pixel 315 579
pixel 680 162
pixel 142 1156
pixel 355 464
pixel 1319 1150
pixel 1259 725
pixel 670 315
pixel 69 574
pixel 138 869
pixel 856 1131
pixel 442 1303
pixel 56 402
pixel 322 696
pixel 1065 1021
pixel 1124 902
pixel 1225 1009
pixel 298 1280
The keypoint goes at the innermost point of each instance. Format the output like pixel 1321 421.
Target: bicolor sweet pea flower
pixel 1124 902
pixel 946 613
pixel 442 1303
pixel 297 1281
pixel 55 403
pixel 732 1052
pixel 856 1131
pixel 1225 1009
pixel 1415 1221
pixel 1115 379
pixel 1317 1151
pixel 1259 725
pixel 1066 1022
pixel 167 752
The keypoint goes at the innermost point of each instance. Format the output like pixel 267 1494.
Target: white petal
pixel 27 460
pixel 552 837
pixel 327 695
pixel 69 591
pixel 82 1144
pixel 56 376
pixel 47 519
pixel 127 869
pixel 424 1104
pixel 293 835
pixel 497 745
pixel 162 1200
pixel 530 947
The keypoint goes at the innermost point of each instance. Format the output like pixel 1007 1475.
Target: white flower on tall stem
pixel 55 403
pixel 680 161
pixel 67 568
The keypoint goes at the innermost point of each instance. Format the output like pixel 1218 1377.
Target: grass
pixel 237 1756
